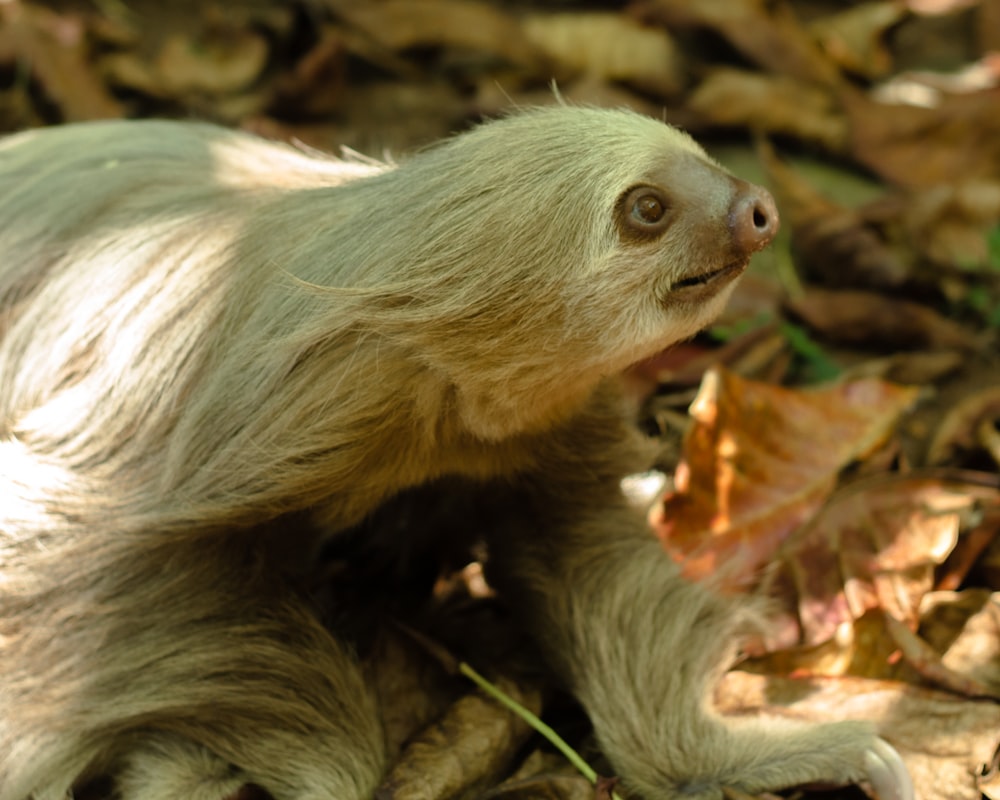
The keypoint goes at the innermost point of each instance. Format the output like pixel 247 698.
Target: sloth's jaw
pixel 703 288
pixel 715 278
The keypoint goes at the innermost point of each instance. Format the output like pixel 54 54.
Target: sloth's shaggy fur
pixel 205 336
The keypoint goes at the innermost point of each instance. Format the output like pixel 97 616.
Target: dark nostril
pixel 760 220
pixel 753 218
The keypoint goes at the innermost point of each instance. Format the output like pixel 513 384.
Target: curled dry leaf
pixel 945 740
pixel 834 244
pixel 869 319
pixel 777 104
pixel 462 752
pixel 855 38
pixel 609 47
pixel 759 460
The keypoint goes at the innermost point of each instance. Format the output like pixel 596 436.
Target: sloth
pixel 218 353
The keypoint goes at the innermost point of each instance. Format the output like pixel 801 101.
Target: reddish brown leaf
pixel 759 460
pixel 874 546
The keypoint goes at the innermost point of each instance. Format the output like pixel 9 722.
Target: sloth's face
pixel 685 230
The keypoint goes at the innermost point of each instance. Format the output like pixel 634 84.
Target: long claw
pixel 887 773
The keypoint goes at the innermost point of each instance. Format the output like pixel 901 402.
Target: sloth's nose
pixel 753 218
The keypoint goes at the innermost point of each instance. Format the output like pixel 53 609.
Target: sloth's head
pixel 558 245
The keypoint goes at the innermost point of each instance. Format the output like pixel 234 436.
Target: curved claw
pixel 887 773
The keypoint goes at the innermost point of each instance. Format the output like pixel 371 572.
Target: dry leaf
pixel 759 460
pixel 223 60
pixel 855 38
pixel 958 139
pixel 465 24
pixel 964 627
pixel 777 104
pixel 543 787
pixel 833 243
pixel 609 47
pixel 959 430
pixel 464 751
pixel 945 740
pixel 868 319
pixel 946 225
pixel 52 45
pixel 766 32
pixel 873 546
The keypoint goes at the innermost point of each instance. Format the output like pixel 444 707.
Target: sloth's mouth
pixel 730 270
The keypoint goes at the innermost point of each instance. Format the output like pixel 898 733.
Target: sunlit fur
pixel 201 333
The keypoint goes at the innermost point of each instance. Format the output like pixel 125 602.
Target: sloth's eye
pixel 643 212
pixel 648 209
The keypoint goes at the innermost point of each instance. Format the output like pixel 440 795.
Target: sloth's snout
pixel 753 218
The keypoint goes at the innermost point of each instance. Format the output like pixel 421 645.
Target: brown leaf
pixel 944 740
pixel 765 32
pixel 875 320
pixel 52 45
pixel 945 225
pixel 466 24
pixel 958 432
pixel 964 627
pixel 833 243
pixel 777 104
pixel 464 751
pixel 855 38
pixel 609 47
pixel 913 146
pixel 222 60
pixel 759 460
pixel 543 787
pixel 874 546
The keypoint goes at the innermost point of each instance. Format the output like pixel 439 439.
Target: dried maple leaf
pixel 759 460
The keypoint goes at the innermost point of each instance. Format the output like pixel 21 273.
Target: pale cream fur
pixel 204 335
